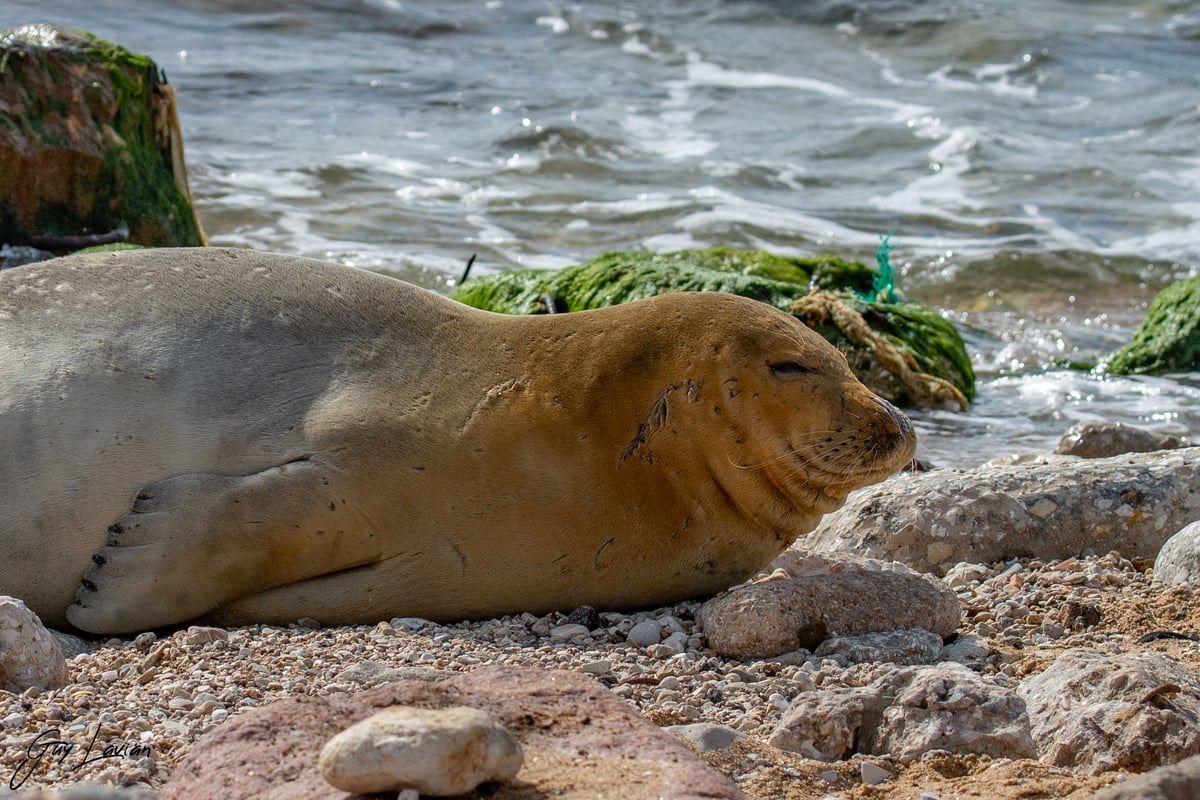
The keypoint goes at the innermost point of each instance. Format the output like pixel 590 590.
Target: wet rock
pixel 1098 712
pixel 801 599
pixel 934 520
pixel 579 740
pixel 439 752
pixel 910 647
pixel 1168 339
pixel 906 712
pixel 92 149
pixel 1178 562
pixel 29 653
pixel 1102 439
pixel 1174 782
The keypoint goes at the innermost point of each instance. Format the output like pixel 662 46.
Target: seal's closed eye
pixel 790 369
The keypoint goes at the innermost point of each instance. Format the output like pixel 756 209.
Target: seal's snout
pixel 897 418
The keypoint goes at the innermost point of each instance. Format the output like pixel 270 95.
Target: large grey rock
pixel 29 653
pixel 906 712
pixel 579 739
pixel 934 520
pixel 1103 439
pixel 1178 562
pixel 1174 782
pixel 802 599
pixel 1098 712
pixel 437 751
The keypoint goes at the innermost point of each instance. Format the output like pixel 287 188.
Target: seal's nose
pixel 898 418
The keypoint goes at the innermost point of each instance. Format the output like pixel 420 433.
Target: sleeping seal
pixel 253 438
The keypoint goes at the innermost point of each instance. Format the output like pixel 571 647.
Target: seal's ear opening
pixel 790 369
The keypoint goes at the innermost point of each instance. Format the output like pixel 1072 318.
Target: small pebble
pixel 872 774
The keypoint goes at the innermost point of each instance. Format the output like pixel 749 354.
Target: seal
pixel 244 437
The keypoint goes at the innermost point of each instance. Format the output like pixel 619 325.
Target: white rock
pixel 934 520
pixel 905 712
pixel 1097 712
pixel 963 574
pixel 438 752
pixel 565 633
pixel 1178 562
pixel 29 654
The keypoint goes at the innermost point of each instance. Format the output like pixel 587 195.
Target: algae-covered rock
pixel 90 145
pixel 915 340
pixel 918 343
pixel 1169 338
pixel 615 278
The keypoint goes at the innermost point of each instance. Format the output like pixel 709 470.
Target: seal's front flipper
pixel 195 541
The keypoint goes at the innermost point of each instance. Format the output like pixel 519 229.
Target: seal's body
pixel 246 437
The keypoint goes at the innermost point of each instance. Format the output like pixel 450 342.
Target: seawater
pixel 1036 163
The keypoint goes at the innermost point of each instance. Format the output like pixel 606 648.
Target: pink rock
pixel 579 741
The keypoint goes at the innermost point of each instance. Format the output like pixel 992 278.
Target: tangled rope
pixel 928 390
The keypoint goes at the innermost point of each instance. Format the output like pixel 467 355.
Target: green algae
pixel 614 278
pixel 620 277
pixel 1168 339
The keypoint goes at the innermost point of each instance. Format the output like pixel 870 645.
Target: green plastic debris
pixel 879 338
pixel 1168 339
pixel 883 287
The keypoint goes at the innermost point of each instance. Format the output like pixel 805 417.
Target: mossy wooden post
pixel 1168 339
pixel 90 145
pixel 935 369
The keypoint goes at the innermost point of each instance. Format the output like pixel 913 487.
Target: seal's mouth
pixel 848 463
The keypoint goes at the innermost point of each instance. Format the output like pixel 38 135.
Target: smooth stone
pixel 439 752
pixel 1178 562
pixel 873 774
pixel 645 633
pixel 707 736
pixel 1103 439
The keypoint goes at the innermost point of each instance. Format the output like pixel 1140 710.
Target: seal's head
pixel 798 431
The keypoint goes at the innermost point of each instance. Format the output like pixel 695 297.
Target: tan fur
pixel 271 438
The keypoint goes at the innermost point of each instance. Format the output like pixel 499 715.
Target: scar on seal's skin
pixel 656 419
pixel 493 396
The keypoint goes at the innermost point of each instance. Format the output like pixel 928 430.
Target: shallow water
pixel 1037 163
